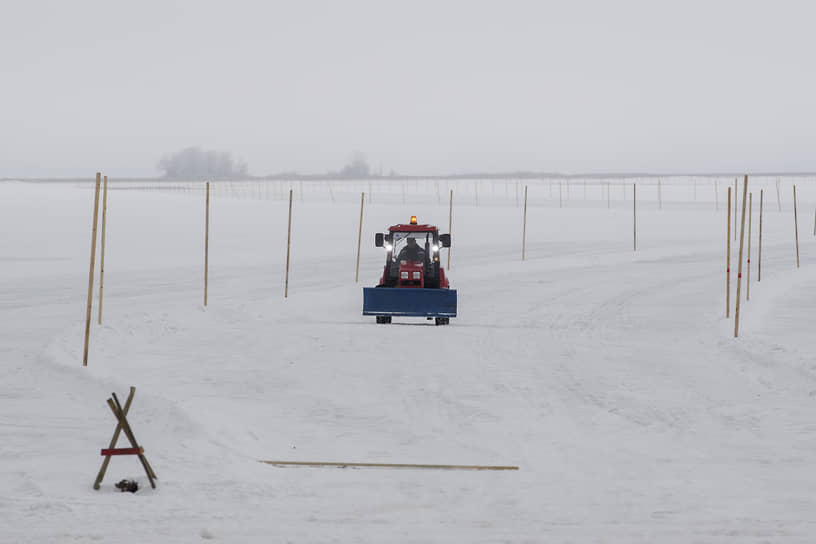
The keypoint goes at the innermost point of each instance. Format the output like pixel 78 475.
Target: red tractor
pixel 413 283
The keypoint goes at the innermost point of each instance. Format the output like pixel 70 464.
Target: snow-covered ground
pixel 610 377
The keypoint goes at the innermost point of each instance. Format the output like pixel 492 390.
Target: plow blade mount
pixel 409 302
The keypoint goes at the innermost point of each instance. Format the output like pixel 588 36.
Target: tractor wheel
pixel 442 320
pixel 383 319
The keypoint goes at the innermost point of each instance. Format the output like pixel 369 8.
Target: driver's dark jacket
pixel 411 254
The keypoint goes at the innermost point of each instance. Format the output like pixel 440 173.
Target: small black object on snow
pixel 127 485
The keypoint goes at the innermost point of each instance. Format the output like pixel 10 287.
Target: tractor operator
pixel 412 251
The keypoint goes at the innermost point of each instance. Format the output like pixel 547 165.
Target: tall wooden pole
pixel 796 226
pixel 91 272
pixel 288 245
pixel 524 229
pixel 748 276
pixel 634 216
pixel 736 196
pixel 778 200
pixel 739 262
pixel 359 238
pixel 102 252
pixel 206 241
pixel 759 256
pixel 450 223
pixel 728 259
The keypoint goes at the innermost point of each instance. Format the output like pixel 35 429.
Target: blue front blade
pixel 409 302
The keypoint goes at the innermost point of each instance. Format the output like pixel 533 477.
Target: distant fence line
pixel 654 192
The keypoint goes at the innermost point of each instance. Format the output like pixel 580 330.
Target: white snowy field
pixel 610 377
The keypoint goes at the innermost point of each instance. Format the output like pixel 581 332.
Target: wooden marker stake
pixel 102 249
pixel 288 245
pixel 524 229
pixel 659 194
pixel 759 256
pixel 796 226
pixel 736 196
pixel 206 241
pixel 91 272
pixel 634 216
pixel 748 276
pixel 778 200
pixel 450 224
pixel 716 196
pixel 359 237
pixel 728 259
pixel 739 262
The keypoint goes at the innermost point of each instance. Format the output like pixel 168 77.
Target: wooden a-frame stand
pixel 122 425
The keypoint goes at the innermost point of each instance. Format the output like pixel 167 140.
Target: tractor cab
pixel 411 263
pixel 412 256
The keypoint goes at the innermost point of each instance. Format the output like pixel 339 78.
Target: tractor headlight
pixel 388 247
pixel 403 275
pixel 435 248
pixel 417 275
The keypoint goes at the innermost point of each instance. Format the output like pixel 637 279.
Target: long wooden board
pixel 341 464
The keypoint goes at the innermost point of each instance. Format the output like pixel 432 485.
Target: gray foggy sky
pixel 421 87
